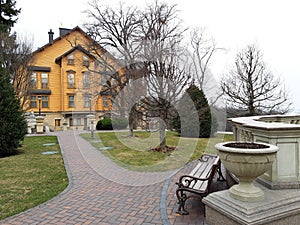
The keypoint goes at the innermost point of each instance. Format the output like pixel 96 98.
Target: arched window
pixel 71 80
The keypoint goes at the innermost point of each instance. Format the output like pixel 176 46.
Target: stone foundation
pixel 280 207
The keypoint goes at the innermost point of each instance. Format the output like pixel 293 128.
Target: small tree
pixel 15 55
pixel 12 122
pixel 186 125
pixel 251 88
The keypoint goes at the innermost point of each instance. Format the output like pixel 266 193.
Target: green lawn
pixel 133 153
pixel 31 178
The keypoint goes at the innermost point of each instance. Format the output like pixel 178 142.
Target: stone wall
pixel 283 131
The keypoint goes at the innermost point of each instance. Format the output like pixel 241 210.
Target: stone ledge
pixel 279 207
pixel 278 185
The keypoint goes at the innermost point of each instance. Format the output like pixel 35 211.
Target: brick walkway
pixel 100 192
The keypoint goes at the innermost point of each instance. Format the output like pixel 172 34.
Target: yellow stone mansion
pixel 67 80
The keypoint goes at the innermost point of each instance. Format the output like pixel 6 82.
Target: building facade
pixel 67 80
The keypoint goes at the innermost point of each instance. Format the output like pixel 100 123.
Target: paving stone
pixel 92 198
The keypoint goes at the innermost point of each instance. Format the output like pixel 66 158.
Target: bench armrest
pixel 206 156
pixel 186 180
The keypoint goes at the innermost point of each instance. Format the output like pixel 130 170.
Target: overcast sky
pixel 271 24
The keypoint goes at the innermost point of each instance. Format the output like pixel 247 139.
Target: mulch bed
pixel 164 150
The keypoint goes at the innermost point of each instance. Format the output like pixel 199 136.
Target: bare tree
pixel 117 31
pixel 203 51
pixel 15 55
pixel 166 74
pixel 147 44
pixel 251 88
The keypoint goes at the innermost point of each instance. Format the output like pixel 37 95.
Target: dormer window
pixel 86 61
pixel 71 60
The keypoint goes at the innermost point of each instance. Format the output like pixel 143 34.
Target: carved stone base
pixel 278 207
pixel 246 192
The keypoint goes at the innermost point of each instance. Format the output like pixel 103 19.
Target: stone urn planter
pixel 247 161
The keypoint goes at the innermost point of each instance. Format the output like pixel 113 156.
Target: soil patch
pixel 246 145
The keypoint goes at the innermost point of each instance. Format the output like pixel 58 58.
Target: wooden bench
pixel 199 180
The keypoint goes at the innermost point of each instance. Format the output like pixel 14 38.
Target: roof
pixel 77 47
pixel 64 34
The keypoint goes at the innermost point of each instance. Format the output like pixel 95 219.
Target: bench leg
pixel 181 196
pixel 220 175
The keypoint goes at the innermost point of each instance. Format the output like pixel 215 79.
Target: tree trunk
pixel 131 123
pixel 251 108
pixel 162 133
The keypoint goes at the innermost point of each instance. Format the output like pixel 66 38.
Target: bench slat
pixel 201 171
pixel 205 172
pixel 199 166
pixel 201 186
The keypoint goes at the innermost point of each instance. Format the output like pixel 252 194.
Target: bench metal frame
pixel 199 180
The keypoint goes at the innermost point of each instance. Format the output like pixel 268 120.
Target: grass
pixel 133 153
pixel 31 178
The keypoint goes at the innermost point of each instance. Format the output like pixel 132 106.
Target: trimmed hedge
pixel 110 124
pixel 104 124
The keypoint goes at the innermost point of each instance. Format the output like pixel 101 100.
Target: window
pixel 71 122
pixel 71 60
pixel 71 80
pixel 86 80
pixel 44 80
pixel 105 102
pixel 33 80
pixel 45 101
pixel 87 101
pixel 86 61
pixel 33 103
pixel 78 122
pixel 71 99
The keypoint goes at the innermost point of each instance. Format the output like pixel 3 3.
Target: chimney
pixel 50 33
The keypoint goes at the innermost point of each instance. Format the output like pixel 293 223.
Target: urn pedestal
pixel 39 124
pixel 247 161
